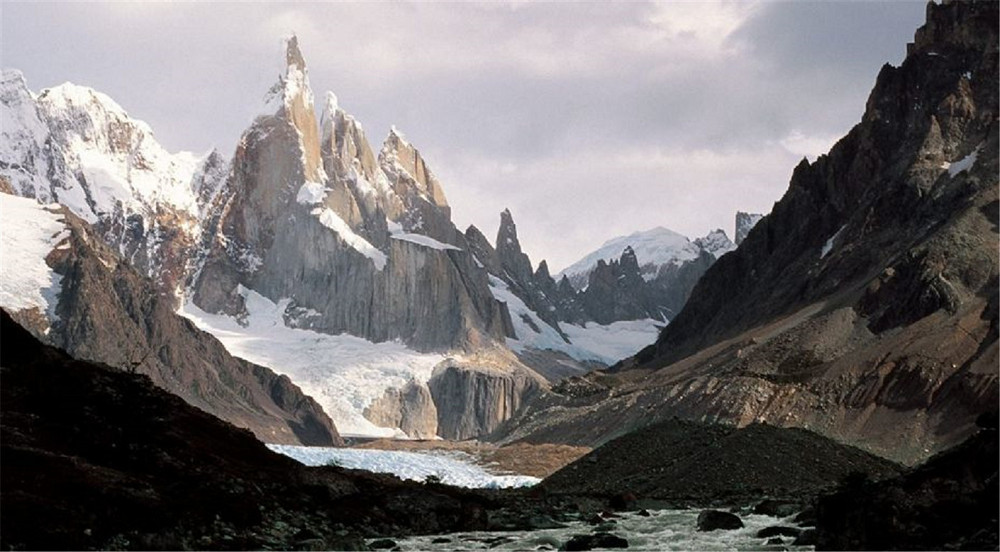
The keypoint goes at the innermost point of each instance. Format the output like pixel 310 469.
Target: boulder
pixel 778 531
pixel 776 508
pixel 712 520
pixel 597 540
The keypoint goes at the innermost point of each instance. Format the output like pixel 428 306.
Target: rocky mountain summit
pixel 304 215
pixel 669 264
pixel 864 306
pixel 360 246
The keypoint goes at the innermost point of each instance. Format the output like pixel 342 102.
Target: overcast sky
pixel 587 120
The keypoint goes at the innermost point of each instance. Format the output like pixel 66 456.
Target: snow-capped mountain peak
pixel 716 243
pixel 73 145
pixel 653 248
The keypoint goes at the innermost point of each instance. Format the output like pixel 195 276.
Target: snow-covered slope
pixel 606 344
pixel 116 158
pixel 653 249
pixel 343 373
pixel 29 231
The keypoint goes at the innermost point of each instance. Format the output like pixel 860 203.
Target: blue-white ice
pixel 452 467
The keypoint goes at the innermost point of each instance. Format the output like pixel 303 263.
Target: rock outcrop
pixel 617 291
pixel 474 396
pixel 864 307
pixel 411 409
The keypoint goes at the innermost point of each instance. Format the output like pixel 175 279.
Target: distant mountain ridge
pixel 307 218
pixel 864 306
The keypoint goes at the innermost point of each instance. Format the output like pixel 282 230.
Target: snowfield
pixel 29 231
pixel 605 344
pixel 343 373
pixel 452 467
pixel 658 246
pixel 613 342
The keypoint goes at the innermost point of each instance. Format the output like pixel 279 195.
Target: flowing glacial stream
pixel 661 530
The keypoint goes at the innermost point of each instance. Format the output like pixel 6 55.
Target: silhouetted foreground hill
pixel 95 458
pixel 699 464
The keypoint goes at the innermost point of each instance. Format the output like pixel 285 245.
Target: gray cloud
pixel 588 120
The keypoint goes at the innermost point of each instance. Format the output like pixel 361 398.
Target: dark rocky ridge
pixel 948 503
pixel 96 458
pixel 883 184
pixel 692 463
pixel 888 338
pixel 108 313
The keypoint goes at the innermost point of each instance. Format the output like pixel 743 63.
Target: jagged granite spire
pixel 512 258
pixel 299 109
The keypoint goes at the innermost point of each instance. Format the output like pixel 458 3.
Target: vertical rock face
pixel 474 399
pixel 515 270
pixel 616 291
pixel 483 251
pixel 304 212
pixel 411 409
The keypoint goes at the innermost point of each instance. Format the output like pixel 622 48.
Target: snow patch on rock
pixel 332 221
